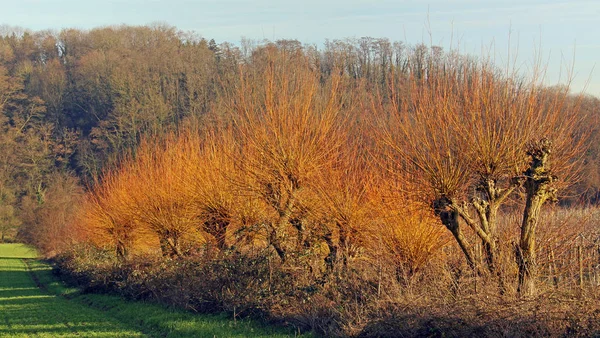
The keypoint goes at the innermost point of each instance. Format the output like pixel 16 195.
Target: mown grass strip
pixel 17 250
pixel 34 303
pixel 27 311
pixel 157 320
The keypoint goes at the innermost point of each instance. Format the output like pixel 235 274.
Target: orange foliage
pixel 284 168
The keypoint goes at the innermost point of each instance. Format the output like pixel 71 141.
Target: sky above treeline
pixel 563 34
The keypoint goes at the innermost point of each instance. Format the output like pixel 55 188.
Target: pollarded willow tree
pixel 555 161
pixel 207 156
pixel 105 216
pixel 471 135
pixel 288 131
pixel 159 203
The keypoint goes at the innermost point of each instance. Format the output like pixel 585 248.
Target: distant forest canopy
pixel 73 101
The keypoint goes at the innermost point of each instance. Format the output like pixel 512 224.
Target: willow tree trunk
pixel 332 256
pixel 450 219
pixel 539 189
pixel 526 257
pixel 275 241
pixel 170 245
pixel 122 251
pixel 217 228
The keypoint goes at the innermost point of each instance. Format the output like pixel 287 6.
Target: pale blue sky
pixel 558 26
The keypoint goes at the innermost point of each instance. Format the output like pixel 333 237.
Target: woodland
pixel 360 188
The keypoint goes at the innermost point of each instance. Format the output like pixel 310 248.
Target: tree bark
pixel 276 243
pixel 526 257
pixel 332 256
pixel 283 204
pixel 218 229
pixel 539 189
pixel 450 219
pixel 121 251
pixel 170 245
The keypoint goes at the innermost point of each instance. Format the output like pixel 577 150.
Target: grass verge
pixel 34 303
pixel 17 250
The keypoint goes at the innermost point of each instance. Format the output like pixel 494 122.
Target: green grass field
pixel 15 250
pixel 33 303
